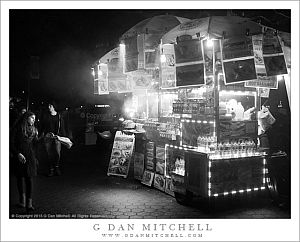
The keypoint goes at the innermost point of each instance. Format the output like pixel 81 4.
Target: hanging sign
pixel 262 79
pixel 189 63
pixel 140 48
pixel 238 60
pixel 121 154
pixel 116 77
pixel 168 70
pixel 190 75
pixel 151 59
pixel 168 77
pixel 152 40
pixel 188 51
pixel 96 87
pixel 102 79
pixel 264 92
pixel 273 55
pixel 131 54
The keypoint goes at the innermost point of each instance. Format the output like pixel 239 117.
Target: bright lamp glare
pixel 163 59
pixel 280 78
pixel 93 72
pixel 209 43
pixel 100 73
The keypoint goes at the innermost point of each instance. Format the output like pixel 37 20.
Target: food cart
pixel 195 99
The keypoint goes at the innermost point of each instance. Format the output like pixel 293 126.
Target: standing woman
pixel 23 140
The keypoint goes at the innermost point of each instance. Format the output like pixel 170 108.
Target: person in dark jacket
pixel 51 126
pixel 24 163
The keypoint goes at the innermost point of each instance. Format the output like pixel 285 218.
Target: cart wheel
pixel 273 189
pixel 184 199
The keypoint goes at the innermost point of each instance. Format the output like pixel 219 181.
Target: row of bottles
pixel 234 148
pixel 193 106
pixel 207 143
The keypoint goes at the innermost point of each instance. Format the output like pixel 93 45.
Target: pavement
pixel 85 191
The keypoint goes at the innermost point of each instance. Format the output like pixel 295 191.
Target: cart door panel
pixel 196 173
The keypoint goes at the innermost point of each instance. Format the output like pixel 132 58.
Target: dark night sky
pixel 69 41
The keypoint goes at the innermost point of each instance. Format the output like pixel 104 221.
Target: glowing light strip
pixel 196 121
pixel 240 93
pixel 235 192
pixel 238 59
pixel 209 178
pixel 165 170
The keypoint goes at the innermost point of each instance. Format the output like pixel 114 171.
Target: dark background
pixel 68 42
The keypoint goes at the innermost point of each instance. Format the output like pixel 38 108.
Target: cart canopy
pixel 157 25
pixel 214 27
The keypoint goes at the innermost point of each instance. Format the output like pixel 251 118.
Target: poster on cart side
pixel 160 160
pixel 148 177
pixel 121 155
pixel 138 165
pixel 169 189
pixel 159 182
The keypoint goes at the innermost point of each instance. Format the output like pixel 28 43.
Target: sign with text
pixel 264 79
pixel 121 154
pixel 102 79
pixel 168 70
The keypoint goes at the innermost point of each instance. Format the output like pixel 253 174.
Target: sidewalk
pixel 85 191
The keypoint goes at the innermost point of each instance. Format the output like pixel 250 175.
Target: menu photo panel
pixel 188 51
pixel 190 75
pixel 131 54
pixel 239 71
pixel 273 55
pixel 238 60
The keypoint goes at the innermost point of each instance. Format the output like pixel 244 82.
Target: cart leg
pixel 184 199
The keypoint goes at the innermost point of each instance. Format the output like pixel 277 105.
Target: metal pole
pixel 28 94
